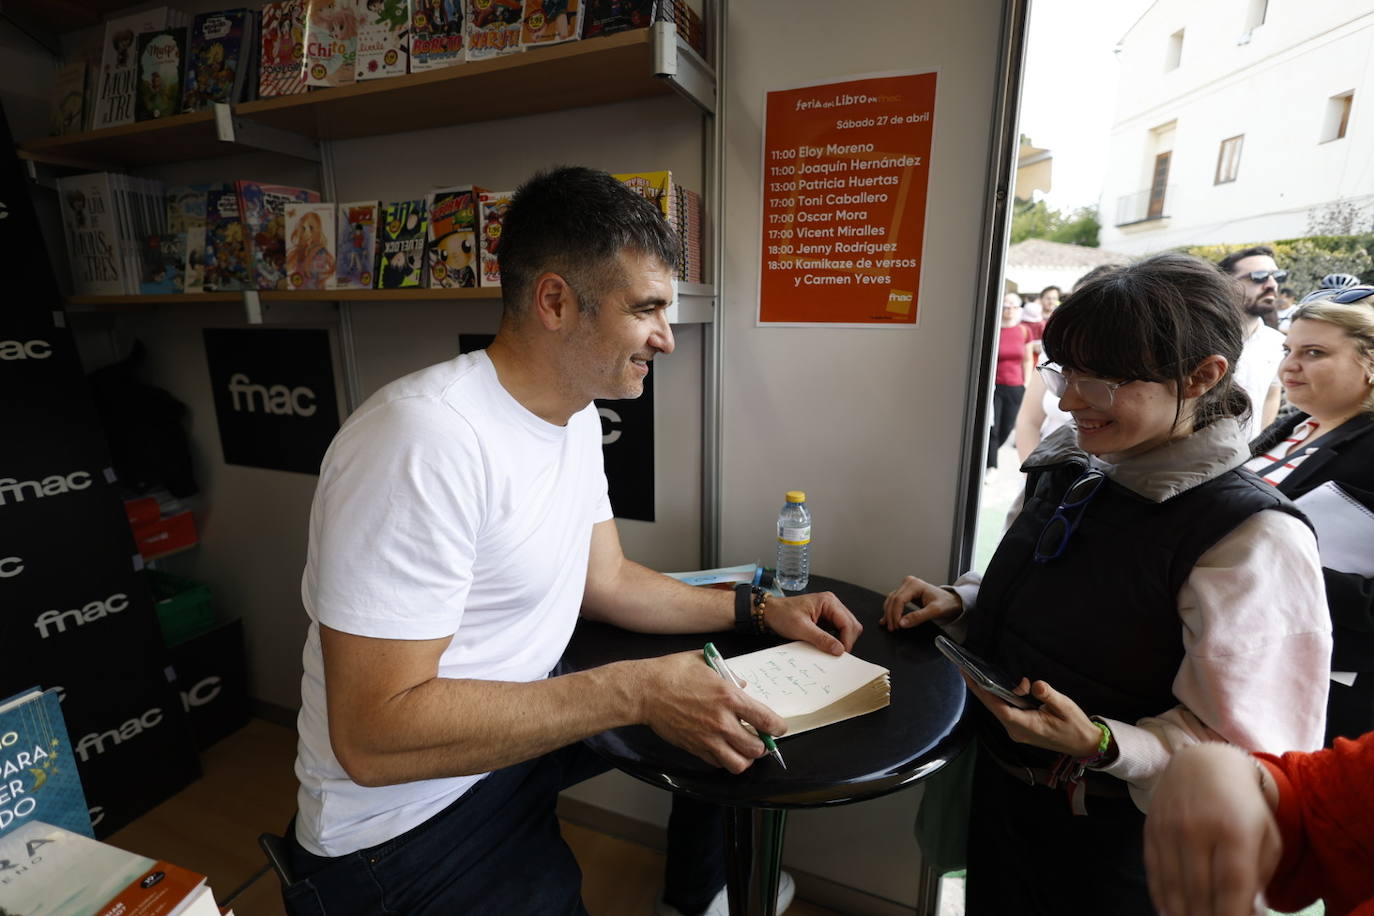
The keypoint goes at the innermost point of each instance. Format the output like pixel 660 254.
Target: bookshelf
pixel 597 71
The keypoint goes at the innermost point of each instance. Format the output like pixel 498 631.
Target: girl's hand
pixel 915 601
pixel 1059 726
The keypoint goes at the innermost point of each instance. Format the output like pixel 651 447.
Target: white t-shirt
pixel 1256 371
pixel 444 508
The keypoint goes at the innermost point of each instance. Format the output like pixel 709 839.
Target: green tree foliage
pixel 1035 220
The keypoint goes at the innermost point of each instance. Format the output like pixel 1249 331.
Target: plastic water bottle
pixel 794 543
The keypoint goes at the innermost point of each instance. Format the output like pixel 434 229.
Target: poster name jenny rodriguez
pixel 845 178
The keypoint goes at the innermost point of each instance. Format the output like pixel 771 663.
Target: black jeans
pixel 498 850
pixel 1006 401
pixel 1029 854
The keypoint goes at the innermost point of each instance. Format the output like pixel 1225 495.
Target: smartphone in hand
pixel 986 675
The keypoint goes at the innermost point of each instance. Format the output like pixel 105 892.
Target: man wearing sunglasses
pixel 1259 277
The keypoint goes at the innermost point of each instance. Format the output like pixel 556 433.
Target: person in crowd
pixel 1328 376
pixel 1038 311
pixel 460 523
pixel 1226 826
pixel 1150 594
pixel 1286 305
pixel 1014 361
pixel 1259 277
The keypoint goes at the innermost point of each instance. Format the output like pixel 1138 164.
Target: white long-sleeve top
pixel 1256 630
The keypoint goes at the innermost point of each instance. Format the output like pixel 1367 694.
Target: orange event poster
pixel 845 170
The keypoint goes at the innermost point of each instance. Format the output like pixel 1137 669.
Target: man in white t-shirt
pixel 1257 372
pixel 460 524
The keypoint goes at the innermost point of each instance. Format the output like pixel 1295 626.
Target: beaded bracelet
pixel 760 601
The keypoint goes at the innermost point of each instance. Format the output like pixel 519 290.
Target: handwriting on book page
pixel 790 679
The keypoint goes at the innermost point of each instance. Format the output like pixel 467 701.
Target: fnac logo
pixel 11 567
pixel 97 743
pixel 11 350
pixel 12 490
pixel 89 613
pixel 276 399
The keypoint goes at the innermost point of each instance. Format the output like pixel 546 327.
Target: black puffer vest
pixel 1100 622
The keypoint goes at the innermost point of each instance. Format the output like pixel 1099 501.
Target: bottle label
pixel 794 537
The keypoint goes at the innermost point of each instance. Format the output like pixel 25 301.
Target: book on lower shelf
pixel 811 688
pixel 57 872
pixel 38 777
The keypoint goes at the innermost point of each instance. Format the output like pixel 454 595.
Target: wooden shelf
pixel 119 303
pixel 611 69
pixel 594 72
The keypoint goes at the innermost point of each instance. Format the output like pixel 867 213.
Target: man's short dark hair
pixel 1227 264
pixel 1048 288
pixel 575 222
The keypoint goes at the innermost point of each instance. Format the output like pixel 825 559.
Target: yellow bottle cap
pixel 796 496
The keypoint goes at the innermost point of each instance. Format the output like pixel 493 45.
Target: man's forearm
pixel 640 599
pixel 445 727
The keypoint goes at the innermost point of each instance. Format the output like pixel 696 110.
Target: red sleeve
pixel 1326 820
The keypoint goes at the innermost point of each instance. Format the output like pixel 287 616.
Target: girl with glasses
pixel 1150 594
pixel 1328 374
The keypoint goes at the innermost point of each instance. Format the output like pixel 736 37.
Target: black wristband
pixel 744 614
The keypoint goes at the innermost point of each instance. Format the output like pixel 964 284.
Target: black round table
pixel 850 761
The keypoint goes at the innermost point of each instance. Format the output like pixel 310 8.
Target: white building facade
pixel 1240 121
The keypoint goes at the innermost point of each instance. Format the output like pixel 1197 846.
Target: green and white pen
pixel 717 663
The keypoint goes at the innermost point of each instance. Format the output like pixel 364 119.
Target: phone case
pixel 985 674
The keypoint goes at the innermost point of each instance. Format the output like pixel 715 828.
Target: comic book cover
pixel 263 207
pixel 606 17
pixel 160 58
pixel 117 81
pixel 551 22
pixel 225 255
pixel 163 263
pixel 493 28
pixel 452 250
pixel 401 234
pixel 436 34
pixel 310 245
pixel 92 232
pixel 217 58
pixel 331 42
pixel 383 38
pixel 193 276
pixel 281 66
pixel 67 111
pixel 491 210
pixel 186 220
pixel 357 249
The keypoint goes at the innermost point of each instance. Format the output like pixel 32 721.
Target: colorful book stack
pixel 452 249
pixel 220 52
pixel 264 222
pixel 401 231
pixel 310 245
pixel 491 211
pixel 281 49
pixel 117 80
pixel 107 218
pixel 684 211
pixel 493 28
pixel 383 38
pixel 357 240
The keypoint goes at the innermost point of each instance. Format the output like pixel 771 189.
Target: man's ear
pixel 554 301
pixel 1206 376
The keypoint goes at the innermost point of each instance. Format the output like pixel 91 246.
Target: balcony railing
pixel 1143 206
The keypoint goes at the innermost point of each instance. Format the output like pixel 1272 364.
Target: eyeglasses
pixel 1341 296
pixel 1096 392
pixel 1259 276
pixel 1054 537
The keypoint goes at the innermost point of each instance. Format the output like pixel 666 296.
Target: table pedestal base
pixel 753 839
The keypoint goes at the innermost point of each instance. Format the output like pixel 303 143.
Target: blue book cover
pixel 38 778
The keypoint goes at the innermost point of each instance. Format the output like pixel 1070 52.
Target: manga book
pixel 225 257
pixel 551 22
pixel 218 56
pixel 401 233
pixel 68 99
pixel 436 34
pixel 281 66
pixel 117 81
pixel 310 245
pixel 92 232
pixel 263 207
pixel 160 58
pixel 163 263
pixel 493 28
pixel 606 17
pixel 186 220
pixel 452 251
pixel 357 245
pixel 383 38
pixel 491 210
pixel 331 42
